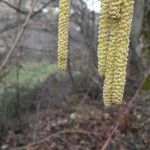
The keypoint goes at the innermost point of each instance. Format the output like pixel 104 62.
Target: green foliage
pixel 28 76
pixel 17 84
pixel 147 34
pixel 146 51
pixel 30 73
pixel 147 84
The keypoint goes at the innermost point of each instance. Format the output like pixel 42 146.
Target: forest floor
pixel 82 127
pixel 81 124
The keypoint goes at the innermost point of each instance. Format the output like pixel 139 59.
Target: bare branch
pixel 18 36
pixel 14 24
pixel 125 113
pixel 13 7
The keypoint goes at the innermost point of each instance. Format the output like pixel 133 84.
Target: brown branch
pixel 125 113
pixel 86 95
pixel 125 110
pixel 55 135
pixel 13 7
pixel 13 25
pixel 131 102
pixel 18 38
pixel 108 141
pixel 45 5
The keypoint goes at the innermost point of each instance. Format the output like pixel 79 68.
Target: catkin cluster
pixel 63 34
pixel 113 42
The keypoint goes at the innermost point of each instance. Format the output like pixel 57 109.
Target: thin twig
pixel 86 95
pixel 18 38
pixel 55 135
pixel 44 6
pixel 108 141
pixel 129 107
pixel 131 102
pixel 13 25
pixel 13 7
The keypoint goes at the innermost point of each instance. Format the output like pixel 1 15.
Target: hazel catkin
pixel 63 34
pixel 120 19
pixel 103 37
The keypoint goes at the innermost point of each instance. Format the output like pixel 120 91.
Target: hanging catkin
pixel 103 37
pixel 63 29
pixel 121 55
pixel 109 74
pixel 114 16
pixel 120 17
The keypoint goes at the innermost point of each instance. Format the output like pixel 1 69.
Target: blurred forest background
pixel 42 108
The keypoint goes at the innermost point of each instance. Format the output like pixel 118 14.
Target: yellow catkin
pixel 63 29
pixel 115 76
pixel 103 37
pixel 122 51
pixel 109 74
pixel 114 17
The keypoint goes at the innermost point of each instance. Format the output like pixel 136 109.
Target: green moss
pixel 146 85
